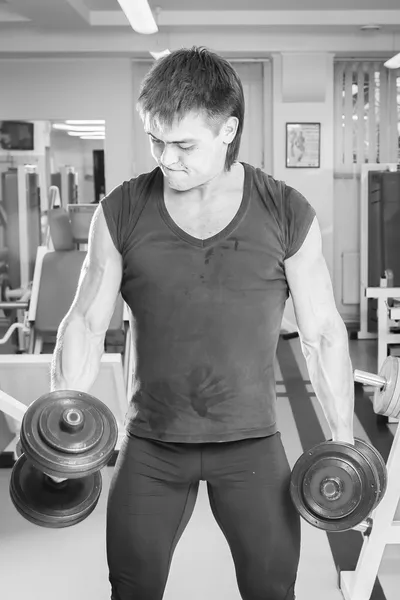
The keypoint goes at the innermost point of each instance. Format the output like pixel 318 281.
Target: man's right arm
pixel 80 337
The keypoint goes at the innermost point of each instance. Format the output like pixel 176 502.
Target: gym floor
pixel 44 564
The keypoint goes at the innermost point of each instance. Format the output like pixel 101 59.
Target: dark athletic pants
pixel 152 496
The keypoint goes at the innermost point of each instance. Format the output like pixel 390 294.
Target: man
pixel 204 250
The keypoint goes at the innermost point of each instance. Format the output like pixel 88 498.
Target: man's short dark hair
pixel 195 80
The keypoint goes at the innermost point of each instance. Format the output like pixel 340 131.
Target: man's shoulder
pixel 130 189
pixel 266 184
pixel 277 189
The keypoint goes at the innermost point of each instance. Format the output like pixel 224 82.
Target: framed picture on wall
pixel 303 145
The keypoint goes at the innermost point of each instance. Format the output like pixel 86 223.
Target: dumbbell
pixel 335 486
pixel 387 387
pixel 66 438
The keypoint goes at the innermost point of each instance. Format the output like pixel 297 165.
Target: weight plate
pixel 18 449
pixel 48 504
pixel 396 410
pixel 379 465
pixel 387 400
pixel 68 434
pixel 333 486
pixel 71 426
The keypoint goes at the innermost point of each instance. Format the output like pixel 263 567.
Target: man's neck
pixel 220 184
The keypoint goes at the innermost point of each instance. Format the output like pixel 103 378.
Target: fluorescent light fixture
pixel 79 128
pixel 80 133
pixel 393 63
pixel 92 137
pixel 139 15
pixel 82 122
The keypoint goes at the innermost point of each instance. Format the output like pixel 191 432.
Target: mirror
pixel 35 155
pixel 77 148
pixel 57 149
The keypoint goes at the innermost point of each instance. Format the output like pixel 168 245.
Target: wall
pixel 347 237
pixel 299 99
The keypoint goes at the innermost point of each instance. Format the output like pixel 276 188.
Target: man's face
pixel 190 153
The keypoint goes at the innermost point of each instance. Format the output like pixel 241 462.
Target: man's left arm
pixel 323 334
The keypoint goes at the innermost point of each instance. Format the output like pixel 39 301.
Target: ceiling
pixel 70 14
pixel 99 26
pixel 256 4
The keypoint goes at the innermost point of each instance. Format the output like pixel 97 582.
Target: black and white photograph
pixel 199 300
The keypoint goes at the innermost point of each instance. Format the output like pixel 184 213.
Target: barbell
pixel 386 399
pixel 66 438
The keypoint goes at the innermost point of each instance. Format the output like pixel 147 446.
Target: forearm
pixel 331 375
pixel 77 355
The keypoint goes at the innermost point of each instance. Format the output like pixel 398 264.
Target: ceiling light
pixel 371 27
pixel 92 137
pixel 139 15
pixel 64 127
pixel 80 133
pixel 82 122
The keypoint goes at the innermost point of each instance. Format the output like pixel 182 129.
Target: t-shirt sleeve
pixel 298 215
pixel 116 209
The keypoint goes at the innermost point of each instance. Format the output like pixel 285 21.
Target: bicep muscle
pixel 100 278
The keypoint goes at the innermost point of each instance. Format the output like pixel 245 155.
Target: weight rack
pixel 358 584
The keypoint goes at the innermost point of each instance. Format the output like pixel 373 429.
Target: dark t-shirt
pixel 206 313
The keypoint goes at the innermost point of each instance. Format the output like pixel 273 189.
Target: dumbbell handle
pixel 369 379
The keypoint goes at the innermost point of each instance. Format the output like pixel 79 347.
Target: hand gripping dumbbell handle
pixel 369 379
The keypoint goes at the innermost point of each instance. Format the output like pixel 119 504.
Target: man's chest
pixel 204 221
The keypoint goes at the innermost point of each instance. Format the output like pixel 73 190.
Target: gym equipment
pixel 21 201
pixel 383 239
pixel 335 486
pixel 68 227
pixel 66 438
pixel 388 316
pixel 383 528
pixel 22 220
pixel 375 214
pixel 109 387
pixel 387 387
pixel 48 503
pixel 68 434
pixel 98 175
pixel 80 216
pixel 52 292
pixel 66 179
pixel 379 262
pixel 17 311
pixel 60 229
